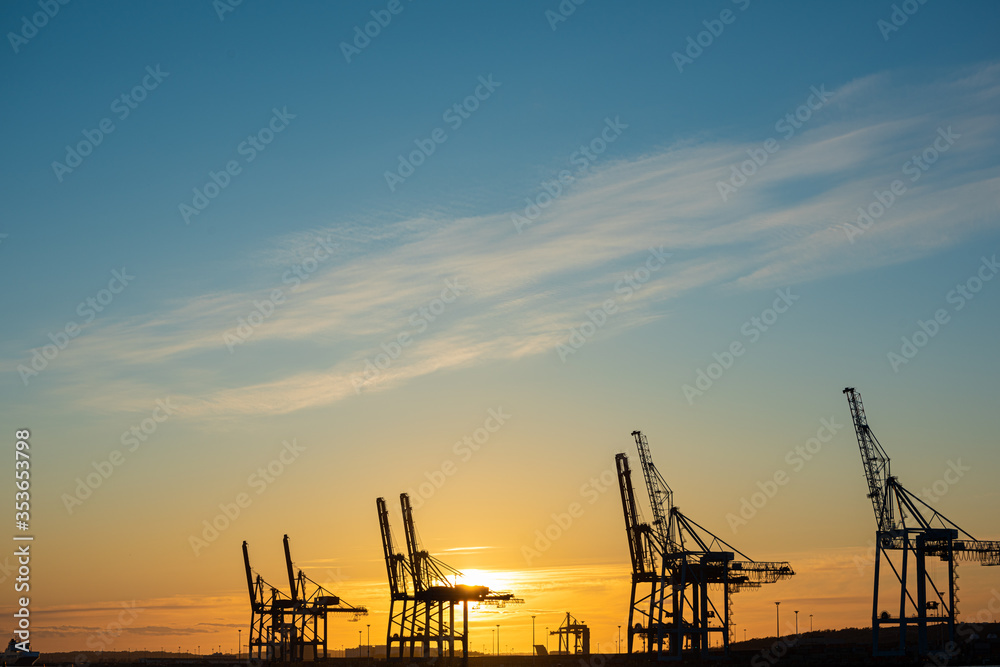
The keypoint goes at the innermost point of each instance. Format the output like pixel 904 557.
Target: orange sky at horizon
pixel 833 586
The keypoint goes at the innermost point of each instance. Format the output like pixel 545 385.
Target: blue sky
pixel 491 297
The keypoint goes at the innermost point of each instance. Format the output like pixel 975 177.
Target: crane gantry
pixel 905 523
pixel 286 628
pixel 674 561
pixel 422 588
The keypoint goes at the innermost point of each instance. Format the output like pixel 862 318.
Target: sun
pixel 493 579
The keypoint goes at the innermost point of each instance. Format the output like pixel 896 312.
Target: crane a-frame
pixel 908 525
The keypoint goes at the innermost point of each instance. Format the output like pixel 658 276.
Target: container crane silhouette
pixel 291 628
pixel 427 592
pixel 907 524
pixel 674 562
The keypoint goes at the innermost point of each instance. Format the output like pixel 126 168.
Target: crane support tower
pixel 423 594
pixel 573 636
pixel 912 530
pixel 680 571
pixel 290 628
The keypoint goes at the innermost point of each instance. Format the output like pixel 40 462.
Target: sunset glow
pixel 266 263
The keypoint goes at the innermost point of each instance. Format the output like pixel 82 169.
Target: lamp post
pixel 359 643
pixel 810 622
pixel 777 622
pixel 239 644
pixel 796 623
pixel 619 639
pixel 498 639
pixel 493 634
pixel 546 639
pixel 369 640
pixel 532 634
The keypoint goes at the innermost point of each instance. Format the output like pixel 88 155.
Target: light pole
pixel 493 635
pixel 239 644
pixel 369 640
pixel 532 634
pixel 744 634
pixel 359 643
pixel 777 622
pixel 810 622
pixel 546 639
pixel 796 623
pixel 498 639
pixel 619 639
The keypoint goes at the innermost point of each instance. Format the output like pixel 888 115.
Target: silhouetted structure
pixel 288 628
pixel 421 593
pixel 923 535
pixel 674 561
pixel 574 637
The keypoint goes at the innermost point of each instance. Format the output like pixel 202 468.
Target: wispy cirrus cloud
pixel 522 292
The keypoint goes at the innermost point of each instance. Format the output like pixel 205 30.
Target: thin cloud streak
pixel 522 292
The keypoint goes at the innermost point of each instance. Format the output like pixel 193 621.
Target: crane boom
pixel 661 497
pixel 288 566
pixel 876 463
pixel 642 560
pixel 246 563
pixel 412 547
pixel 395 563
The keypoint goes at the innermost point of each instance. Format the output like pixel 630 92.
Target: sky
pixel 256 257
